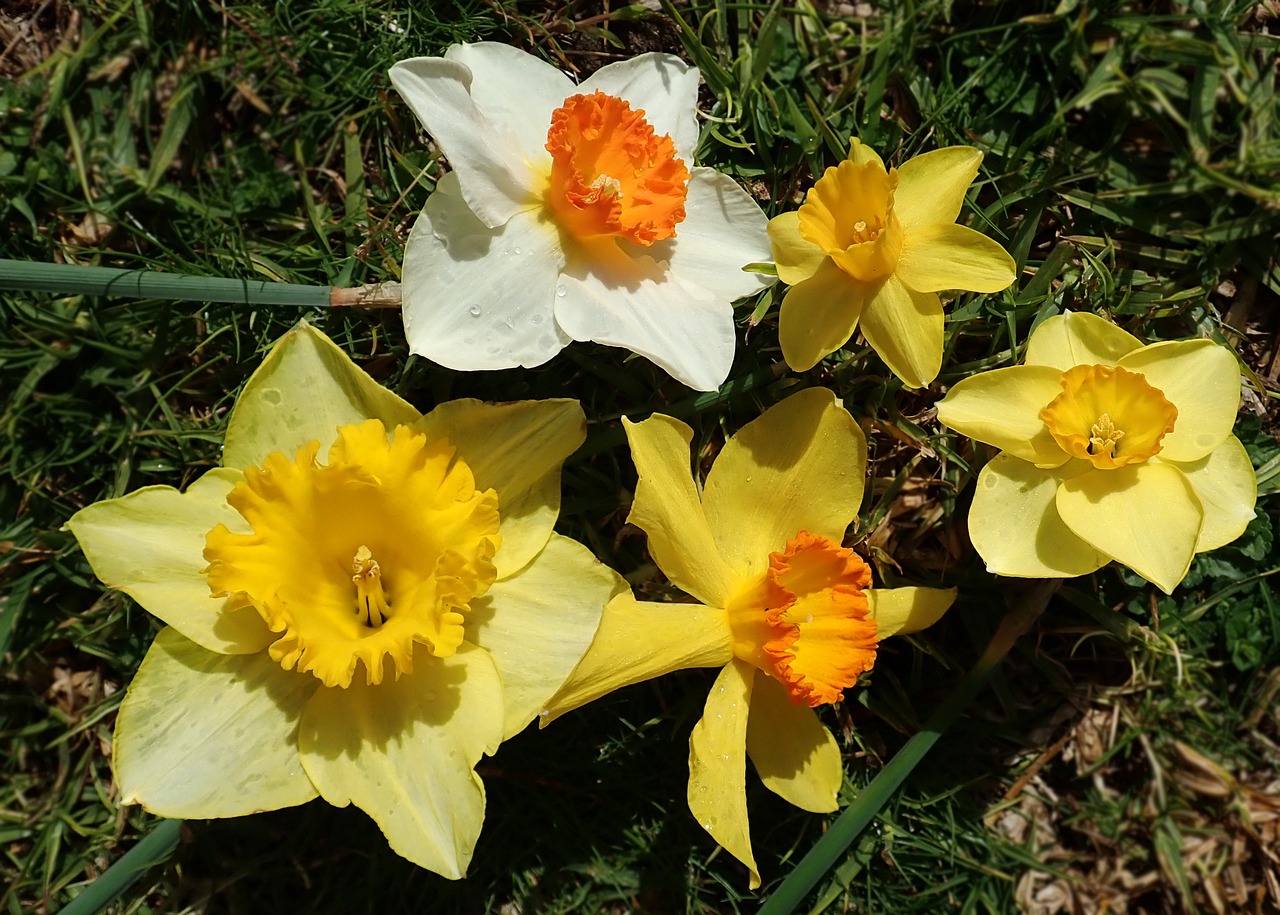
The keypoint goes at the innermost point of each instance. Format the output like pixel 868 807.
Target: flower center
pixel 333 544
pixel 805 621
pixel 848 213
pixel 1108 416
pixel 610 175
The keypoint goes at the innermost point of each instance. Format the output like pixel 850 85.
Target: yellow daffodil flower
pixel 1110 450
pixel 573 212
pixel 870 248
pixel 785 610
pixel 359 603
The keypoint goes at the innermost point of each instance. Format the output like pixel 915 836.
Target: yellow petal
pixel 819 315
pixel 905 328
pixel 932 186
pixel 860 152
pixel 947 256
pixel 305 389
pixel 796 258
pixel 799 466
pixel 517 450
pixel 150 545
pixel 638 641
pixel 1078 338
pixel 718 764
pixel 1201 379
pixel 207 735
pixel 405 751
pixel 1144 516
pixel 1227 487
pixel 1002 408
pixel 538 624
pixel 1014 522
pixel 902 611
pixel 794 754
pixel 667 508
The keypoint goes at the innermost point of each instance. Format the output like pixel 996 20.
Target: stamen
pixel 372 603
pixel 1104 436
pixel 607 186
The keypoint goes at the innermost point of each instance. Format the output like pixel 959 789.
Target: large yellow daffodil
pixel 360 603
pixel 870 248
pixel 1110 450
pixel 785 610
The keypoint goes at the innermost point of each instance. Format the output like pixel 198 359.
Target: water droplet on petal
pixel 561 291
pixel 518 251
pixel 475 311
pixel 537 318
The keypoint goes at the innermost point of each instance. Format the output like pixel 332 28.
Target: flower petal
pixel 478 298
pixel 150 545
pixel 718 764
pixel 902 611
pixel 304 390
pixel 797 467
pixel 516 449
pixel 1227 487
pixel 638 641
pixel 723 231
pixel 905 328
pixel 947 256
pixel 538 624
pixel 931 187
pixel 819 315
pixel 793 752
pixel 1201 379
pixel 663 86
pixel 208 735
pixel 1144 516
pixel 1078 338
pixel 1002 408
pixel 1014 522
pixel 405 751
pixel 637 303
pixel 796 257
pixel 667 508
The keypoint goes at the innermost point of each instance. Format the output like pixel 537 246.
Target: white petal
pixel 664 86
pixel 480 298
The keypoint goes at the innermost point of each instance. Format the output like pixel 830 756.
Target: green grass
pixel 1132 168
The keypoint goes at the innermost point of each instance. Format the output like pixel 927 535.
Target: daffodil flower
pixel 870 248
pixel 360 603
pixel 573 212
pixel 785 611
pixel 1110 450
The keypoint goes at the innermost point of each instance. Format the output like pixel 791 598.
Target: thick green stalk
pixel 155 848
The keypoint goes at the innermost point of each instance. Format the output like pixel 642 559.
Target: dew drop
pixel 518 251
pixel 475 311
pixel 561 291
pixel 537 318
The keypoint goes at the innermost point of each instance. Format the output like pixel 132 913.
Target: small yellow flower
pixel 359 604
pixel 870 248
pixel 785 610
pixel 1111 450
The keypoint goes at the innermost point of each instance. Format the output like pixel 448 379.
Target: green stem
pixel 155 848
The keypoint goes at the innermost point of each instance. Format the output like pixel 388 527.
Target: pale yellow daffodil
pixel 1111 450
pixel 871 248
pixel 359 603
pixel 785 610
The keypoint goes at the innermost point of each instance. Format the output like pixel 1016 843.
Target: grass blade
pixel 155 848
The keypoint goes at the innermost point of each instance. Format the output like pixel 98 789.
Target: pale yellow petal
pixel 405 752
pixel 1144 516
pixel 796 258
pixel 638 641
pixel 799 466
pixel 517 450
pixel 305 389
pixel 1014 522
pixel 668 509
pixel 793 752
pixel 819 315
pixel 1201 379
pixel 538 624
pixel 947 256
pixel 902 611
pixel 1227 487
pixel 1078 338
pixel 150 545
pixel 860 152
pixel 932 186
pixel 209 735
pixel 1002 408
pixel 905 328
pixel 718 765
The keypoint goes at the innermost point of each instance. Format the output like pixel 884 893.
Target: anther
pixel 372 603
